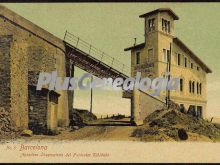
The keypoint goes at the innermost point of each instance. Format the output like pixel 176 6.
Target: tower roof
pixel 175 17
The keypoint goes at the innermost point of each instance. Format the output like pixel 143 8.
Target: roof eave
pixel 175 17
pixel 139 46
pixel 206 68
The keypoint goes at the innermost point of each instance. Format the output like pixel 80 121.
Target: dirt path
pixel 105 129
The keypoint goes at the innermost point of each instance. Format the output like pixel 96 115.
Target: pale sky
pixel 113 26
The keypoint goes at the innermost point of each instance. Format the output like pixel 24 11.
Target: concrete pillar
pixel 132 109
pixel 136 107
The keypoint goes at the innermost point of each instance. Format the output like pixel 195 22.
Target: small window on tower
pixel 165 25
pixel 192 65
pixel 165 22
pixel 168 24
pixel 138 58
pixel 151 24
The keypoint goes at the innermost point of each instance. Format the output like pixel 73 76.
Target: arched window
pixel 197 88
pixel 200 88
pixel 190 86
pixel 193 87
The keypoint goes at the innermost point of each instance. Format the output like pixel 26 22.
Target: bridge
pixel 92 60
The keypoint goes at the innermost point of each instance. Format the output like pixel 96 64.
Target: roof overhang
pixel 139 46
pixel 192 55
pixel 175 17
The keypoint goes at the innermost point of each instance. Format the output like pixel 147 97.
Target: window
pixel 198 68
pixel 185 62
pixel 165 25
pixel 182 108
pixel 168 55
pixel 193 87
pixel 200 88
pixel 190 86
pixel 192 110
pixel 165 22
pixel 175 58
pixel 168 24
pixel 199 111
pixel 138 58
pixel 191 65
pixel 179 59
pixel 181 85
pixel 197 87
pixel 164 55
pixel 151 24
pixel 150 55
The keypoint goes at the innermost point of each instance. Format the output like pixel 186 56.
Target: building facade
pixel 151 59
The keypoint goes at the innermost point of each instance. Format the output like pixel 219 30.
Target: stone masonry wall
pixel 38 103
pixel 6 124
pixel 5 91
pixel 31 51
pixel 19 81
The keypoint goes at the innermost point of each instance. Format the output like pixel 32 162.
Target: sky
pixel 112 27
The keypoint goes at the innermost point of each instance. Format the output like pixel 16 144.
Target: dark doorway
pixel 192 110
pixel 199 111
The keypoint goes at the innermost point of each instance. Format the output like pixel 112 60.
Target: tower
pixel 159 34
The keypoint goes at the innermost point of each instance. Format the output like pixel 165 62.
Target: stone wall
pixel 38 103
pixel 19 83
pixel 6 124
pixel 5 91
pixel 32 50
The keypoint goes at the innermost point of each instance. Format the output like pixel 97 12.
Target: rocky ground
pixel 173 125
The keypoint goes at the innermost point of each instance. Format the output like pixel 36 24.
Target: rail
pixel 96 53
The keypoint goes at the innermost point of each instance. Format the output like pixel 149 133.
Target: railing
pixel 96 53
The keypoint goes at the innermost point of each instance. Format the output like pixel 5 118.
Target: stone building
pixel 26 50
pixel 151 58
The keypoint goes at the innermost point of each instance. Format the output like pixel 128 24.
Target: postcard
pixel 109 82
